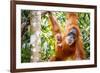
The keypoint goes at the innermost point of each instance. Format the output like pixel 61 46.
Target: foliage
pixel 25 39
pixel 47 39
pixel 84 23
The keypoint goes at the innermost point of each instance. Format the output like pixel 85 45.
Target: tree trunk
pixel 35 39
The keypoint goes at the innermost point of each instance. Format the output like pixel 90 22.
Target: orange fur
pixel 62 50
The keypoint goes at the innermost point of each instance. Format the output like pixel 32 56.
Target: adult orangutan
pixel 70 44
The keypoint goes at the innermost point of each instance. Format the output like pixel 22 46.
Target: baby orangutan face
pixel 58 38
pixel 71 36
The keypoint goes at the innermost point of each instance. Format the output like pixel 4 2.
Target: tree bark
pixel 35 39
